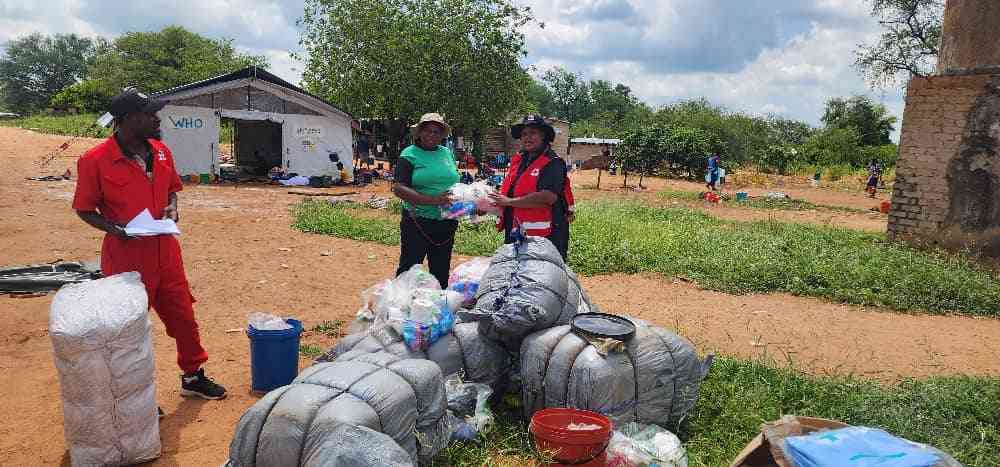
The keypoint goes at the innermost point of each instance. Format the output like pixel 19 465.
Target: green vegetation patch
pixel 735 257
pixel 67 125
pixel 959 415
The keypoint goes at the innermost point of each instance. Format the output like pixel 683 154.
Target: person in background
pixel 533 196
pixel 424 173
pixel 363 146
pixel 874 174
pixel 712 177
pixel 467 177
pixel 128 173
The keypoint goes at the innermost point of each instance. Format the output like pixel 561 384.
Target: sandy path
pixel 235 241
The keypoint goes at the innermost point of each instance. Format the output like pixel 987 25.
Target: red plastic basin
pixel 550 430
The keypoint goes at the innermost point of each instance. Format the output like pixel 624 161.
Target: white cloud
pixel 790 67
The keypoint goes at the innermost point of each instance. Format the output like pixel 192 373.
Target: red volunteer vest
pixel 536 222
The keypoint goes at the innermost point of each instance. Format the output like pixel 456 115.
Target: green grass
pixel 329 328
pixel 736 257
pixel 959 415
pixel 761 202
pixel 310 351
pixel 67 125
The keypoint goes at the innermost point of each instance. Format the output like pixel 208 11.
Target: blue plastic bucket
pixel 274 356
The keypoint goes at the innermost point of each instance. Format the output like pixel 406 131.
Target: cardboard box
pixel 765 449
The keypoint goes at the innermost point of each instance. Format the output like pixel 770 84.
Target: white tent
pixel 276 123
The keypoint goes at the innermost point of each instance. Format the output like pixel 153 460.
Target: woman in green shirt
pixel 424 173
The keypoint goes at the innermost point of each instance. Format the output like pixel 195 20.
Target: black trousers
pixel 430 238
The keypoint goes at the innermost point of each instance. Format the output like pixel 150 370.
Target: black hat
pixel 132 101
pixel 535 121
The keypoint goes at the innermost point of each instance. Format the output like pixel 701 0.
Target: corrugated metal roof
pixel 249 72
pixel 595 141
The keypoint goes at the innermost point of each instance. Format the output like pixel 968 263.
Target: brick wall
pixel 937 126
pixel 583 152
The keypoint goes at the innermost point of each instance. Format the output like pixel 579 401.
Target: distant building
pixel 499 139
pixel 275 124
pixel 582 149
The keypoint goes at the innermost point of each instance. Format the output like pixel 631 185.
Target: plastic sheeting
pixel 103 350
pixel 463 351
pixel 655 380
pixel 302 423
pixel 527 288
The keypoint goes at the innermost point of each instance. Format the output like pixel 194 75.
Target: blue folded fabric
pixel 857 447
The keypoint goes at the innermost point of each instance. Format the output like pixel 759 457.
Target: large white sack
pixel 103 348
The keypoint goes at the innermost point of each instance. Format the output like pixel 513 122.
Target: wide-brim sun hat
pixel 432 118
pixel 535 121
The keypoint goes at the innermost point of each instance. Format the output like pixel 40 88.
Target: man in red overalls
pixel 119 178
pixel 535 194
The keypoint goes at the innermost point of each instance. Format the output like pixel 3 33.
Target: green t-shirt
pixel 434 172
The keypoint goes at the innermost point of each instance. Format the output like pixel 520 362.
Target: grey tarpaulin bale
pixel 527 288
pixel 463 351
pixel 349 446
pixel 655 381
pixel 404 399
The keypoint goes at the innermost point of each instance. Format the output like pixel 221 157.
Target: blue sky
pixel 759 56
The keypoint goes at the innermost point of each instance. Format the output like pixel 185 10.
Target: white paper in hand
pixel 145 226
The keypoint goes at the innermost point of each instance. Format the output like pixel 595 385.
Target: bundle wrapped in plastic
pixel 653 378
pixel 413 304
pixel 468 401
pixel 466 277
pixel 467 200
pixel 302 423
pixel 846 446
pixel 267 322
pixel 527 288
pixel 638 445
pixel 103 347
pixel 463 351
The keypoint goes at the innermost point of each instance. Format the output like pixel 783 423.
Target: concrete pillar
pixel 970 39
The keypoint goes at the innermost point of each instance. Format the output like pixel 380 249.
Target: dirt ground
pixel 585 181
pixel 242 255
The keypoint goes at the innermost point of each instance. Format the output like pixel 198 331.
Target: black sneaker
pixel 198 385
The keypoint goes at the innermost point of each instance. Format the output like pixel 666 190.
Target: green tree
pixel 570 93
pixel 909 42
pixel 834 146
pixel 787 132
pixel 688 148
pixel 871 121
pixel 36 67
pixel 606 98
pixel 540 99
pixel 777 157
pixel 156 61
pixel 397 59
pixel 641 150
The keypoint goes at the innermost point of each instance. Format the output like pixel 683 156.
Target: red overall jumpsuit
pixel 118 188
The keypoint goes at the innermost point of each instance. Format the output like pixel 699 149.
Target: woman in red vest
pixel 535 195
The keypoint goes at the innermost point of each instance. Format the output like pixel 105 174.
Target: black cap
pixel 132 101
pixel 536 121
